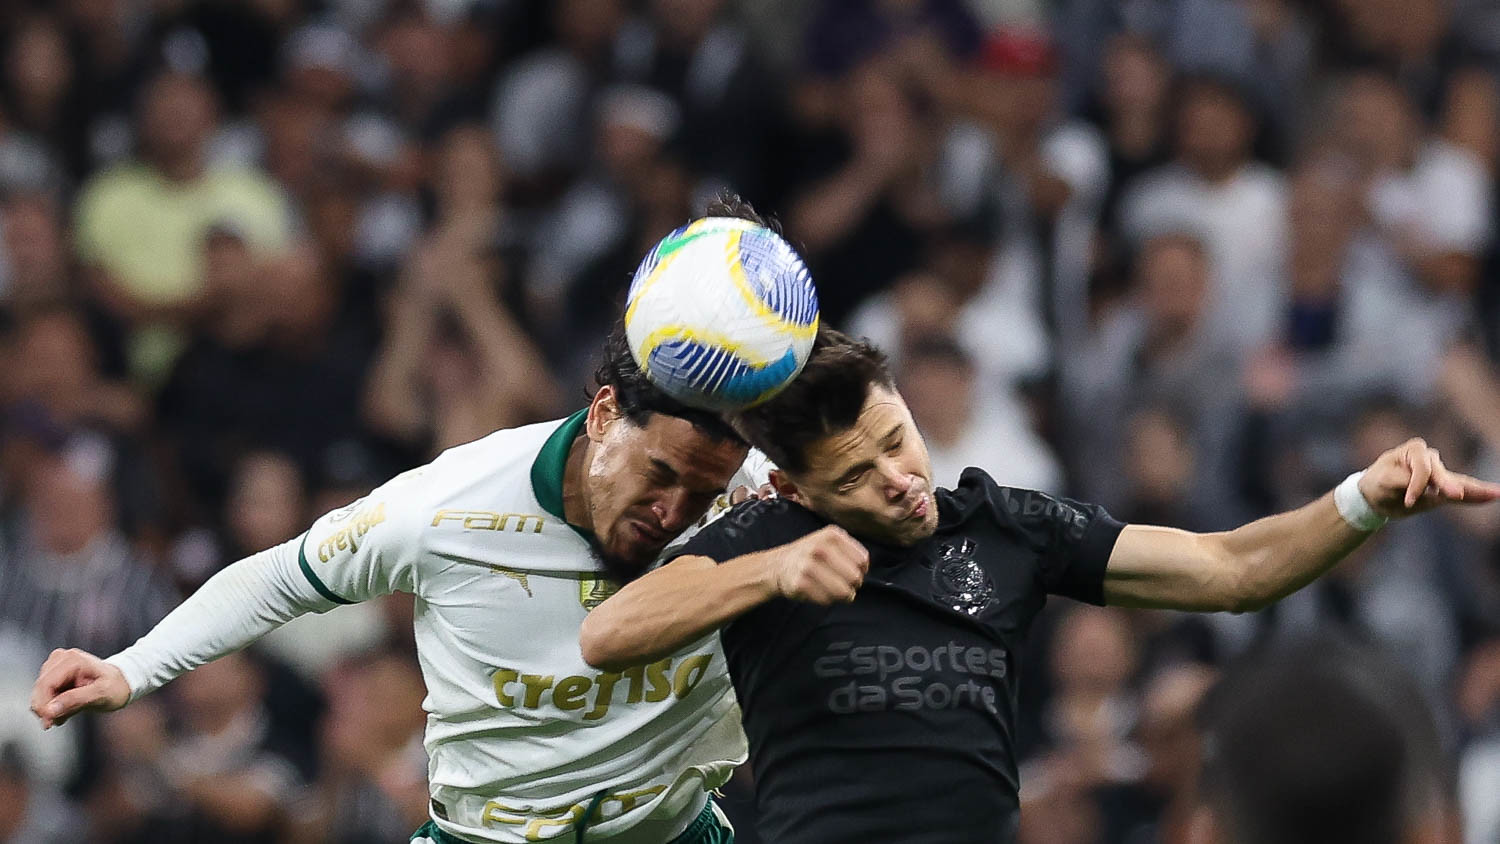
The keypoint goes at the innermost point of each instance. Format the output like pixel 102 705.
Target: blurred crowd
pixel 1195 260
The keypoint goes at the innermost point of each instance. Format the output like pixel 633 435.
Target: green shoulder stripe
pixel 312 578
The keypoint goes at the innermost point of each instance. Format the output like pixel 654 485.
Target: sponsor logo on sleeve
pixel 357 523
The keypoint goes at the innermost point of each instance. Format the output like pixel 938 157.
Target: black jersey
pixel 892 718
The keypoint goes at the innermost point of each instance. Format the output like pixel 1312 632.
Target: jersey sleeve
pixel 369 548
pixel 749 527
pixel 1073 540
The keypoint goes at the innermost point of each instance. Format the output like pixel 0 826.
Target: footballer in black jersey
pixel 872 621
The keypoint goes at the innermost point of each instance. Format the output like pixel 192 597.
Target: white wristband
pixel 1353 507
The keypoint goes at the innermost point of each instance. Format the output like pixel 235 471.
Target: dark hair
pixel 1321 741
pixel 639 398
pixel 730 204
pixel 823 400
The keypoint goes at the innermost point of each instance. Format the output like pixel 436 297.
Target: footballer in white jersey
pixel 507 543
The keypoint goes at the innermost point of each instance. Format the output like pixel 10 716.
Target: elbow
pixel 598 642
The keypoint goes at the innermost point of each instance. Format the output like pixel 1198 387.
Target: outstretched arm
pixel 1258 564
pixel 691 596
pixel 234 608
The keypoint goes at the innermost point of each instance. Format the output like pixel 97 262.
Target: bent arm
pixel 672 607
pixel 235 607
pixel 1241 570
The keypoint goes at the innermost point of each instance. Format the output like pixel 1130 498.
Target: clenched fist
pixel 824 567
pixel 71 681
pixel 1411 478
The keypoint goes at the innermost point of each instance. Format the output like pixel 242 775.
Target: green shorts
pixel 710 827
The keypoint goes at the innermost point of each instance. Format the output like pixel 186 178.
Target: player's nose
pixel 894 481
pixel 672 514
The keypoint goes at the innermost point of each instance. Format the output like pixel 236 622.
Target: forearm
pixel 234 608
pixel 1280 554
pixel 1237 571
pixel 672 607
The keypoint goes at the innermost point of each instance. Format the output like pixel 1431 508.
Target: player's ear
pixel 785 488
pixel 604 411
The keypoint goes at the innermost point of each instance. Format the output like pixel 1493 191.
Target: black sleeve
pixel 749 527
pixel 1073 540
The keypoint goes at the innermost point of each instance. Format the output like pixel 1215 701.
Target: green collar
pixel 547 470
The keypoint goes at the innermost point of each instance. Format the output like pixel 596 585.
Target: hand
pixel 744 493
pixel 824 567
pixel 1411 478
pixel 71 681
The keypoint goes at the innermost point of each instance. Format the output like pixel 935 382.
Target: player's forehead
pixel 699 459
pixel 883 417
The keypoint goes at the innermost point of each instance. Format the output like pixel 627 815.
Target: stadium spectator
pixel 219 771
pixel 70 575
pixel 867 195
pixel 373 786
pixel 1215 190
pixel 1047 172
pixel 140 225
pixel 967 425
pixel 1159 349
pixel 30 811
pixel 273 348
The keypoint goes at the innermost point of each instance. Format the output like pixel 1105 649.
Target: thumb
pixel 69 703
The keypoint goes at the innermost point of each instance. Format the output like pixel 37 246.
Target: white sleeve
pixel 369 548
pixel 234 608
pixel 354 553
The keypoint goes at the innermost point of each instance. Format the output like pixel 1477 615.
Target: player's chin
pixel 626 561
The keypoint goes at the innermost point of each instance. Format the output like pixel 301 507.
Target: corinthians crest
pixel 958 581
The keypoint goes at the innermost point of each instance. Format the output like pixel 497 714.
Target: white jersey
pixel 522 734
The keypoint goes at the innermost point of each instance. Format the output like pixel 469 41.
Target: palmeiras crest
pixel 594 591
pixel 958 581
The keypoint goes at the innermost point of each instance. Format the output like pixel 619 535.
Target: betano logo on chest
pixel 487 520
pixel 652 683
pixel 347 538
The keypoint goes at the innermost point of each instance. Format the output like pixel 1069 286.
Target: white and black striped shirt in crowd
pixel 101 599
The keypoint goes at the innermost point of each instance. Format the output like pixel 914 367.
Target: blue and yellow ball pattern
pixel 721 314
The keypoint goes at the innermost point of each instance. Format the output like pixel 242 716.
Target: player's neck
pixel 575 484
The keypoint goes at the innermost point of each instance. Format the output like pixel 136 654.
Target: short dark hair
pixel 639 398
pixel 730 204
pixel 824 399
pixel 1320 741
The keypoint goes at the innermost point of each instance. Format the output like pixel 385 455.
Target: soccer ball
pixel 721 314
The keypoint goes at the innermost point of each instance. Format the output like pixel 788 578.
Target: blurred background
pixel 1192 259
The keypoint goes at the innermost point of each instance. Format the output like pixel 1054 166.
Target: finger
pixel 1477 491
pixel 837 585
pixel 1421 472
pixel 60 676
pixel 851 571
pixel 70 703
pixel 1444 481
pixel 765 491
pixel 741 493
pixel 74 702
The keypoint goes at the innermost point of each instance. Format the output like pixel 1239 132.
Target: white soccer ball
pixel 721 314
